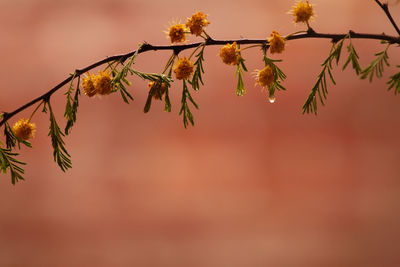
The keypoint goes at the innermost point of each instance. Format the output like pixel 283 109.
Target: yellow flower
pixel 265 76
pixel 177 33
pixel 302 12
pixel 159 89
pixel 276 43
pixel 229 54
pixel 24 129
pixel 88 85
pixel 102 83
pixel 183 68
pixel 97 83
pixel 196 23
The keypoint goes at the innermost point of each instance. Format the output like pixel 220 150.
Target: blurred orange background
pixel 252 184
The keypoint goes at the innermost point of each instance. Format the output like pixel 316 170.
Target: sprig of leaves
pixel 394 82
pixel 118 83
pixel 60 153
pixel 153 77
pixel 159 79
pixel 156 78
pixel 353 57
pixel 279 75
pixel 155 90
pixel 71 107
pixel 12 140
pixel 119 77
pixel 320 86
pixel 199 69
pixel 169 66
pixel 185 110
pixel 376 67
pixel 240 69
pixel 8 161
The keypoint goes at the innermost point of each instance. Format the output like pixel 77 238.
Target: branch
pixel 178 48
pixel 386 10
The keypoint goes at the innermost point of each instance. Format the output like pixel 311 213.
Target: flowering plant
pixel 113 77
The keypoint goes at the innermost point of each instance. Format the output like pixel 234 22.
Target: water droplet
pixel 271 99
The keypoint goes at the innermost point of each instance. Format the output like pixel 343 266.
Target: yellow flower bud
pixel 24 129
pixel 276 43
pixel 196 23
pixel 183 68
pixel 177 33
pixel 102 83
pixel 229 54
pixel 302 11
pixel 88 85
pixel 265 76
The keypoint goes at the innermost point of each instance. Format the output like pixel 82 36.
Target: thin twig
pixel 178 48
pixel 385 8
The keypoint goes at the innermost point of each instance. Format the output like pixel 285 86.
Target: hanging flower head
pixel 183 68
pixel 97 83
pixel 276 43
pixel 302 11
pixel 102 83
pixel 197 22
pixel 88 85
pixel 229 54
pixel 265 76
pixel 177 33
pixel 24 129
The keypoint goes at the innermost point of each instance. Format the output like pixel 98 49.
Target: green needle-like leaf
pixel 8 161
pixel 12 140
pixel 199 69
pixel 394 82
pixel 376 67
pixel 279 75
pixel 60 153
pixel 240 69
pixel 71 107
pixel 353 58
pixel 185 110
pixel 320 87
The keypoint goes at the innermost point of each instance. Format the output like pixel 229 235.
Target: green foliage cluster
pixel 279 75
pixel 375 68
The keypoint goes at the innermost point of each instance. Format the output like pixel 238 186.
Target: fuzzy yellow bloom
pixel 24 129
pixel 177 33
pixel 102 83
pixel 197 22
pixel 302 11
pixel 276 43
pixel 97 83
pixel 229 54
pixel 159 89
pixel 265 76
pixel 88 85
pixel 183 68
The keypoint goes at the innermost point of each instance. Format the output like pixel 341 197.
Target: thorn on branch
pixel 145 46
pixel 209 40
pixel 177 50
pixel 311 31
pixel 336 39
pixel 5 115
pixel 46 99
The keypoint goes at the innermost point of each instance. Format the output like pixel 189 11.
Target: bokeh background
pixel 252 184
